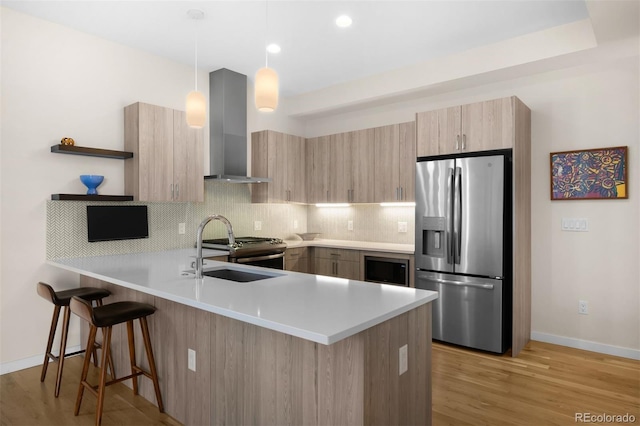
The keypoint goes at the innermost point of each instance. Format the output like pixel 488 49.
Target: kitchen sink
pixel 237 276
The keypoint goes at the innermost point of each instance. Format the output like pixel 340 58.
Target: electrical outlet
pixel 349 225
pixel 257 225
pixel 191 355
pixel 295 224
pixel 402 227
pixel 583 307
pixel 403 359
pixel 181 229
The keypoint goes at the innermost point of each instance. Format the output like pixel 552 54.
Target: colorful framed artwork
pixel 592 174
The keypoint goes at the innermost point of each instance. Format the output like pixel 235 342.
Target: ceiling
pixel 385 35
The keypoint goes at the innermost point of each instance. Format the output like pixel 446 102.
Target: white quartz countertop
pixel 354 245
pixel 313 307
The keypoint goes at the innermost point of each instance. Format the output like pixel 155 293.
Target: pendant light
pixel 266 81
pixel 196 104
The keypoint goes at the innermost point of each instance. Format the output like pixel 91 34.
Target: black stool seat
pixel 62 298
pixel 119 312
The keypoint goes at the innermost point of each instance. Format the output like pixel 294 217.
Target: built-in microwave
pixel 386 270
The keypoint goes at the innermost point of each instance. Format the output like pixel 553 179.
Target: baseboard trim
pixel 21 364
pixel 586 345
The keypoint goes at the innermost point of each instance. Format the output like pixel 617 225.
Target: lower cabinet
pixel 341 263
pixel 297 260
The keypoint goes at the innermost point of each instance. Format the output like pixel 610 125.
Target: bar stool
pixel 105 317
pixel 61 299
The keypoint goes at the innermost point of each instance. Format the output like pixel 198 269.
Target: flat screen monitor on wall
pixel 108 223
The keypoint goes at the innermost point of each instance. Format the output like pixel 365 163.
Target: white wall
pixel 58 82
pixel 590 106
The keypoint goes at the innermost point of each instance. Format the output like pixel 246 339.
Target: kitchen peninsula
pixel 289 349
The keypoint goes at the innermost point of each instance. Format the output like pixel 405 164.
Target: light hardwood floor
pixel 545 385
pixel 26 401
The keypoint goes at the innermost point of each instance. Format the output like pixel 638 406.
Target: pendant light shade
pixel 266 90
pixel 196 109
pixel 196 105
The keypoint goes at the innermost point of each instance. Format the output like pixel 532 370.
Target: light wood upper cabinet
pixel 362 165
pixel 407 170
pixel 318 150
pixel 167 160
pixel 280 157
pixel 340 159
pixel 480 126
pixel 188 152
pixel 395 157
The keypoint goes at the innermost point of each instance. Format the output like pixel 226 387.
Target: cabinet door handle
pixel 396 193
pixel 401 194
pixel 464 141
pixel 171 189
pixel 457 142
pixel 327 195
pixel 177 191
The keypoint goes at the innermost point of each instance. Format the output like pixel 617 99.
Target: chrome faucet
pixel 232 240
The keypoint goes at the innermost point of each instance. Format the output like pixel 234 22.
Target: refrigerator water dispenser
pixel 433 236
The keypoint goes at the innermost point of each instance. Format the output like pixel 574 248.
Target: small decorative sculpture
pixel 67 141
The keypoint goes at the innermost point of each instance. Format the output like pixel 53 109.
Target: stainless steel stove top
pixel 247 246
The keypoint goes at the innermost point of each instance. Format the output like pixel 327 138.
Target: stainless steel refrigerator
pixel 463 246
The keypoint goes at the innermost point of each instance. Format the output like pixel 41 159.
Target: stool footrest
pixel 94 388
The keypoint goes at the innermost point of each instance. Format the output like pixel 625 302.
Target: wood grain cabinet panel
pixel 318 169
pixel 362 165
pixel 480 126
pixel 297 259
pixel 167 155
pixel 340 176
pixel 282 158
pixel 341 263
pixel 395 158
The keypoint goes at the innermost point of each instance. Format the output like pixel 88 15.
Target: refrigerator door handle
pixel 457 283
pixel 457 216
pixel 449 232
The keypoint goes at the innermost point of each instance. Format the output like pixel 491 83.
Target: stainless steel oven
pixel 257 251
pixel 386 270
pixel 273 261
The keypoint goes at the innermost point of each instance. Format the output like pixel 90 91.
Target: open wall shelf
pixel 84 197
pixel 91 152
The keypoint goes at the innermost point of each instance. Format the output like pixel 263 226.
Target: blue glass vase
pixel 91 182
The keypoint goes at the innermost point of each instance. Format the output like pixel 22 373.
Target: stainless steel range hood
pixel 228 128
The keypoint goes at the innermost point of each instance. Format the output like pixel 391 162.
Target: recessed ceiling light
pixel 343 21
pixel 273 48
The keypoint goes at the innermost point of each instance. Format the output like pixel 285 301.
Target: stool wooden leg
pixel 152 362
pixel 52 333
pixel 106 346
pixel 85 369
pixel 132 355
pixel 63 348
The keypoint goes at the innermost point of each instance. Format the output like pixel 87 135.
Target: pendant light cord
pixel 195 70
pixel 266 33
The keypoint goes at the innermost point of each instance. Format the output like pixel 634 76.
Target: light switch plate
pixel 181 228
pixel 350 225
pixel 295 224
pixel 574 224
pixel 257 225
pixel 402 227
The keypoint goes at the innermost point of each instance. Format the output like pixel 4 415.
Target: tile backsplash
pixel 371 222
pixel 67 222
